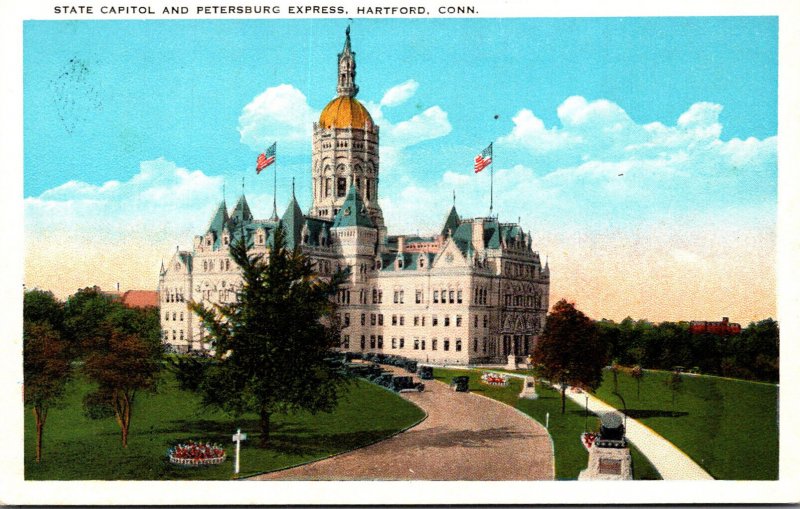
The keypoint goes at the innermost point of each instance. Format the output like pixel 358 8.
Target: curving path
pixel 465 437
pixel 671 462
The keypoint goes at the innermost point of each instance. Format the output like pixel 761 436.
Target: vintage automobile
pixel 460 383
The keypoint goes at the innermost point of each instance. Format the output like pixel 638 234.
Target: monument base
pixel 511 363
pixel 529 388
pixel 606 463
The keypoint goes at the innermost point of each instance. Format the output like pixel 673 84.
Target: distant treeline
pixel 751 355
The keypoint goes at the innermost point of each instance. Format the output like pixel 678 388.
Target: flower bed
pixel 588 439
pixel 497 379
pixel 195 454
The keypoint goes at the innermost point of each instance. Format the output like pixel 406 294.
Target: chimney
pixel 477 234
pixel 117 285
pixel 401 244
pixel 725 320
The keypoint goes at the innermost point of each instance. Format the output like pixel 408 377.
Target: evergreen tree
pixel 271 344
pixel 570 351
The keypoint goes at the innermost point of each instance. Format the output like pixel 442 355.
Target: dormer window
pixel 225 240
pixel 399 263
pixel 260 239
pixel 208 241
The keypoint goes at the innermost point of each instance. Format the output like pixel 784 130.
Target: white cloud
pixel 281 114
pixel 530 132
pixel 399 94
pixel 428 125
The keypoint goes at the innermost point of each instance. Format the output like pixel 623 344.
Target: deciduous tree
pixel 569 350
pixel 46 370
pixel 122 364
pixel 271 344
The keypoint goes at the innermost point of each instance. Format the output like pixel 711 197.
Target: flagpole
pixel 275 188
pixel 491 182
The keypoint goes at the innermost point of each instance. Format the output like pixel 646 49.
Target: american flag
pixel 483 159
pixel 265 159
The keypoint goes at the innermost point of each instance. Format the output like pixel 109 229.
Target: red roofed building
pixel 723 328
pixel 140 299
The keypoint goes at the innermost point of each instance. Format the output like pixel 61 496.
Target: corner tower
pixel 345 149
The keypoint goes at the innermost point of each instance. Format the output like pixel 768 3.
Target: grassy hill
pixel 78 448
pixel 729 427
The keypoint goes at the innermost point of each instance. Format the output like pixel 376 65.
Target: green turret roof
pixel 352 212
pixel 293 223
pixel 219 219
pixel 452 221
pixel 241 213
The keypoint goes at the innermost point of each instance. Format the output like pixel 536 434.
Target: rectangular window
pixel 402 342
pixel 166 316
pixel 346 342
pixel 394 343
pixel 396 296
pixel 458 345
pixel 416 321
pixel 347 319
pixel 363 341
pixel 422 343
pixel 380 319
pixel 474 345
pixel 372 341
pixel 446 345
pixel 380 341
pixel 374 296
pixel 458 297
pixel 447 321
pixel 363 319
pixel 394 319
pixel 485 321
pixel 416 344
pixel 484 345
pixel 402 320
pixel 458 320
pixel 476 321
pixel 434 344
pixel 327 187
pixel 418 298
pixel 436 296
pixel 372 319
pixel 434 321
pixel 341 187
pixel 452 297
pixel 402 295
pixel 423 321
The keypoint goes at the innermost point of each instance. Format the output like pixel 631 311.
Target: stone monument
pixel 609 456
pixel 528 388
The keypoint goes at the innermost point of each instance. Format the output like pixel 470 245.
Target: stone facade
pixel 476 292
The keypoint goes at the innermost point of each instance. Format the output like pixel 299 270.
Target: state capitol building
pixel 473 292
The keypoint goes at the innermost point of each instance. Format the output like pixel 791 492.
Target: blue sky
pixel 649 132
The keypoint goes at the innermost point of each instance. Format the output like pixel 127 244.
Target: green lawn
pixel 570 455
pixel 729 427
pixel 78 448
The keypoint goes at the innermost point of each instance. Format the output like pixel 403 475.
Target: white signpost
pixel 238 438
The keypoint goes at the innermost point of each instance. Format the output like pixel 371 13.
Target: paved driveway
pixel 465 437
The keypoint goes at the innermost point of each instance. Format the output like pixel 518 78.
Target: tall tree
pixel 122 364
pixel 570 351
pixel 46 370
pixel 84 315
pixel 271 344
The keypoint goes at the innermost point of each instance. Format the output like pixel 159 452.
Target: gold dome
pixel 345 112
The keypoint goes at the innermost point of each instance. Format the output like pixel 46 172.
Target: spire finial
pixel 292 187
pixel 454 197
pixel 223 191
pixel 242 185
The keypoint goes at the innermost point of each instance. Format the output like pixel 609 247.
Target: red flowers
pixel 588 439
pixel 196 454
pixel 494 379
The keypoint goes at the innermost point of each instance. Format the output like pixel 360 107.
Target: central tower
pixel 345 149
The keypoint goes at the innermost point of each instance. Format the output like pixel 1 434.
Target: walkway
pixel 671 462
pixel 465 437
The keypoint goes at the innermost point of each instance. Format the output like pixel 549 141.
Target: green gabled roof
pixel 491 235
pixel 352 212
pixel 462 236
pixel 186 258
pixel 410 261
pixel 292 221
pixel 451 222
pixel 315 227
pixel 241 213
pixel 219 219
